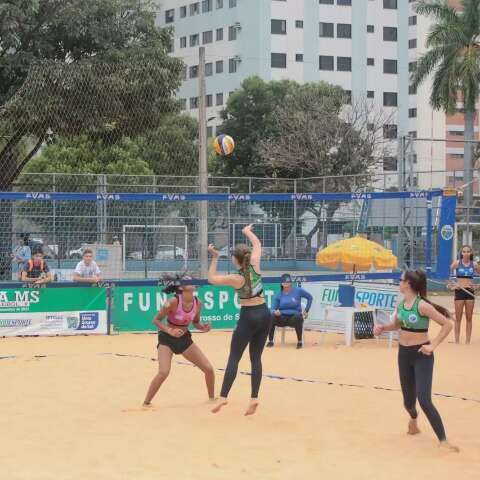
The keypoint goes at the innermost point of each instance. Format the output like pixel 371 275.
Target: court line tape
pixel 304 380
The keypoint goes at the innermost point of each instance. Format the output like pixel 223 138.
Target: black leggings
pixel 416 371
pixel 252 328
pixel 295 321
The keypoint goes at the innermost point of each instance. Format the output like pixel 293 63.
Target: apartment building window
pixel 279 60
pixel 208 69
pixel 325 2
pixel 170 15
pixel 219 4
pixel 412 43
pixel 219 66
pixel 390 131
pixel 412 20
pixel 232 65
pixel 344 30
pixel 326 62
pixel 207 37
pixel 209 132
pixel 347 3
pixel 389 66
pixel 390 99
pixel 209 100
pixel 370 28
pixel 390 4
pixel 183 42
pixel 278 27
pixel 412 66
pixel 370 62
pixel 184 72
pixel 370 94
pixel 390 164
pixel 326 29
pixel 183 103
pixel 456 133
pixel 219 34
pixel 412 90
pixel 389 34
pixel 219 99
pixel 344 64
pixel 232 3
pixel 194 40
pixel 232 33
pixel 193 102
pixel 298 23
pixel 412 134
pixel 412 113
pixel 183 11
pixel 194 9
pixel 299 57
pixel 207 6
pixel 193 71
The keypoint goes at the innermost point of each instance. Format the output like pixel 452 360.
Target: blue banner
pixel 446 230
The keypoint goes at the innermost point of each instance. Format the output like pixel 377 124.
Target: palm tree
pixel 453 57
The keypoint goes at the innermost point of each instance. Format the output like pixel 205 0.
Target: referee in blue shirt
pixel 287 309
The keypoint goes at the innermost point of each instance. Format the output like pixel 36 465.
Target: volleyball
pixel 224 145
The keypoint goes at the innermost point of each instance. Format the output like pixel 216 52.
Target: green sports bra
pixel 255 289
pixel 410 319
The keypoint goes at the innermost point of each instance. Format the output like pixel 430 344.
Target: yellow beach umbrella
pixel 356 254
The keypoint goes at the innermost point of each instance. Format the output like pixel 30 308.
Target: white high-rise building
pixel 368 47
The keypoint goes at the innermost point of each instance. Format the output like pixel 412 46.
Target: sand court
pixel 70 411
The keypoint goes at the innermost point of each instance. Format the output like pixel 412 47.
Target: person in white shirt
pixel 87 270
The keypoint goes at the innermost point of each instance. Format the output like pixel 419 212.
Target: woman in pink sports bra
pixel 175 338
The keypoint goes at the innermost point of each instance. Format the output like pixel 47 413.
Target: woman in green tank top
pixel 254 322
pixel 415 352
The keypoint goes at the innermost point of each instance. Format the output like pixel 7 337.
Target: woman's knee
pixel 163 373
pixel 208 369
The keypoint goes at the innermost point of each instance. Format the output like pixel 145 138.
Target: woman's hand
pixel 206 327
pixel 378 330
pixel 426 349
pixel 215 253
pixel 175 332
pixel 305 314
pixel 248 229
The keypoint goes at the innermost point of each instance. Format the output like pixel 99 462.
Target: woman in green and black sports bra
pixel 415 352
pixel 254 322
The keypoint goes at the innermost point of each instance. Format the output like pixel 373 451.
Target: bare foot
pixel 252 408
pixel 212 400
pixel 413 427
pixel 220 403
pixel 144 408
pixel 449 447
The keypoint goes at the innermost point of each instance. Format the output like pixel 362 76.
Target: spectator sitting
pixel 87 270
pixel 22 253
pixel 36 270
pixel 287 309
pixel 116 241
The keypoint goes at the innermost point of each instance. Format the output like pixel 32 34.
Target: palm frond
pixel 437 9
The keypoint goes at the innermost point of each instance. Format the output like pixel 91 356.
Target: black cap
pixel 286 278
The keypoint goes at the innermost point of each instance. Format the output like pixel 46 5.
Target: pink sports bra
pixel 180 317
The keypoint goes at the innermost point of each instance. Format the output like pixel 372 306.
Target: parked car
pixel 169 252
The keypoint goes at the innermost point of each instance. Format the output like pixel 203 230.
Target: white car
pixel 170 252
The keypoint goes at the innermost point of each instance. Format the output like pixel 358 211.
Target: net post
pixel 202 165
pixel 109 308
pixel 428 246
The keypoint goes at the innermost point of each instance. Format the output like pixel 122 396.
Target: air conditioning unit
pixel 237 58
pixel 237 26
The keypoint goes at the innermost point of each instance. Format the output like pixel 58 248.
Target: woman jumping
pixel 175 338
pixel 464 269
pixel 415 352
pixel 253 325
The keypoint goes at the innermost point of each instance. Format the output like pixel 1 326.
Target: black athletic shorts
pixel 176 344
pixel 462 295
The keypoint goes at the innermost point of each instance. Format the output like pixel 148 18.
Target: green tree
pixel 70 67
pixel 248 119
pixel 453 58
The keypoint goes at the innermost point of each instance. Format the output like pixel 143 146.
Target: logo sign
pixel 355 276
pixel 301 196
pixel 418 194
pixel 38 196
pixel 238 197
pixel 107 196
pixel 171 197
pixel 361 196
pixel 412 318
pixel 88 321
pixel 446 232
